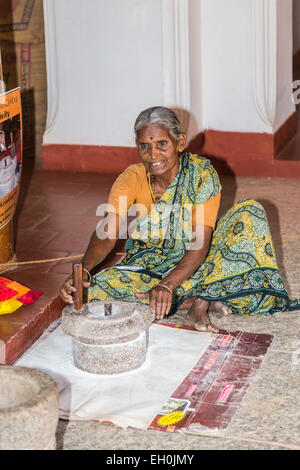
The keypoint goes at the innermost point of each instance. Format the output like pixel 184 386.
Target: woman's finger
pixel 67 290
pixel 169 305
pixel 65 296
pixel 160 304
pixel 68 285
pixel 162 301
pixel 70 289
pixel 165 305
pixel 152 302
pixel 159 301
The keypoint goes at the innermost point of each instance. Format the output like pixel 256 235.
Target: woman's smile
pixel 157 164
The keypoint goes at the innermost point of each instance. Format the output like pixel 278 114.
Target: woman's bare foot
pixel 219 307
pixel 199 314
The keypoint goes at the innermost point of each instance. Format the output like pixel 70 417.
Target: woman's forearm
pixel 97 251
pixel 185 269
pixel 102 241
pixel 190 262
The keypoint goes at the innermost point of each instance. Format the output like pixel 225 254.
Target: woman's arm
pixel 160 299
pixel 97 250
pixel 190 262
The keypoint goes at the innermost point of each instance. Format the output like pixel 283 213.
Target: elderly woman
pixel 177 250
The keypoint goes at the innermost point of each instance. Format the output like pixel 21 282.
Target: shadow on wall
pixel 274 224
pixel 196 145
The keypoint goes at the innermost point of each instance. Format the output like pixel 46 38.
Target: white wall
pixel 241 75
pixel 226 65
pixel 196 63
pixel 108 66
pixel 229 63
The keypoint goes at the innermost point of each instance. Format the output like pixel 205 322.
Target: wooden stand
pixel 6 243
pixel 77 279
pixel 1 76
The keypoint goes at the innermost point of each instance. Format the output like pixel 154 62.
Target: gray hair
pixel 162 116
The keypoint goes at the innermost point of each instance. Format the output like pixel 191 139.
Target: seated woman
pixel 177 251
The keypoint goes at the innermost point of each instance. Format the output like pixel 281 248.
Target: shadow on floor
pixel 62 426
pixel 274 224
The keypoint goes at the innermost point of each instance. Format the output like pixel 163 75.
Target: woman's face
pixel 158 151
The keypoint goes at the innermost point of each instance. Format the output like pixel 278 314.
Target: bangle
pixel 165 287
pixel 90 277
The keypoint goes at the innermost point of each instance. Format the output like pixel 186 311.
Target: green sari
pixel 240 269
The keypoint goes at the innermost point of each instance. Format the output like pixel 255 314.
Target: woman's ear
pixel 181 143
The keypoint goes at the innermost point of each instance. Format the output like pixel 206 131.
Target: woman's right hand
pixel 68 288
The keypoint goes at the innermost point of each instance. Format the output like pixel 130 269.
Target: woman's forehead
pixel 152 131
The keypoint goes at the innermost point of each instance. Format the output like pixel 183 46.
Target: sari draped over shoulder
pixel 240 269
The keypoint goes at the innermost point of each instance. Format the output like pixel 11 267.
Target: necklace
pixel 152 187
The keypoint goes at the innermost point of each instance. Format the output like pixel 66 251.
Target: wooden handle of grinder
pixel 77 280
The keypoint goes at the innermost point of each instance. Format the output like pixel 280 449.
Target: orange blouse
pixel 133 187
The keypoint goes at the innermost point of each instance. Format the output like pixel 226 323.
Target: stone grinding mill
pixel 109 337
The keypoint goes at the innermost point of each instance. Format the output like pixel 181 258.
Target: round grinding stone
pixel 28 409
pixel 109 337
pixel 92 325
pixel 110 358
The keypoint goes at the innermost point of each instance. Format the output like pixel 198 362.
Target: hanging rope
pixel 13 263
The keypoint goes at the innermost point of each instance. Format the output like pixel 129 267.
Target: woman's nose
pixel 153 152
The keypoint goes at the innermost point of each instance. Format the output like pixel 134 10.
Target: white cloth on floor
pixel 129 399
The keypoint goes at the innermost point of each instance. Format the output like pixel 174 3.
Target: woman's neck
pixel 163 181
pixel 160 183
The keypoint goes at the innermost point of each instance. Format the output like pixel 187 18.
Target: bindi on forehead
pixel 155 130
pixel 150 133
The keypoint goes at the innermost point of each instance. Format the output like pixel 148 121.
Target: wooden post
pixel 107 310
pixel 77 280
pixel 6 232
pixel 1 75
pixel 6 243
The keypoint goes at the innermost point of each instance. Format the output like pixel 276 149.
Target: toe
pixel 212 329
pixel 227 312
pixel 205 327
pixel 190 316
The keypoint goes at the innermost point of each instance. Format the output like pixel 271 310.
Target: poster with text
pixel 11 147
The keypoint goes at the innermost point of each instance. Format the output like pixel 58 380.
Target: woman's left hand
pixel 160 300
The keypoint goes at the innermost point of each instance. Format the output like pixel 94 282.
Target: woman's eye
pixel 162 143
pixel 143 145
